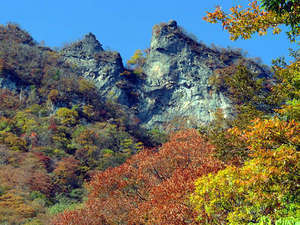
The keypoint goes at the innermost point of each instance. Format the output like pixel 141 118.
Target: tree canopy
pixel 258 18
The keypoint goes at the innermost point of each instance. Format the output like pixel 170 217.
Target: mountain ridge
pixel 173 81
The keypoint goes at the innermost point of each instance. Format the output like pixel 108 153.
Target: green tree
pixel 285 7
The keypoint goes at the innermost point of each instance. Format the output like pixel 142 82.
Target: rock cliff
pixel 97 65
pixel 176 84
pixel 175 80
pixel 173 84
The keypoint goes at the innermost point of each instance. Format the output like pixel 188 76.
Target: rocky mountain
pixel 176 83
pixel 95 64
pixel 175 79
pixel 177 71
pixel 173 82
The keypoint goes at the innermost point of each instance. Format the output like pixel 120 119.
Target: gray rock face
pixel 93 63
pixel 176 84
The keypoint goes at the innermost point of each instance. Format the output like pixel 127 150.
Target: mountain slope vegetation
pixel 69 154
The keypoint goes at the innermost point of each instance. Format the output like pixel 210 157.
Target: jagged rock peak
pixel 169 27
pixel 172 23
pixel 91 40
pixel 171 38
pixel 85 48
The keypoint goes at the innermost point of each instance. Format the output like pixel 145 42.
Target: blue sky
pixel 125 26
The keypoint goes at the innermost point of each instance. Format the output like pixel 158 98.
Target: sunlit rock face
pixel 177 74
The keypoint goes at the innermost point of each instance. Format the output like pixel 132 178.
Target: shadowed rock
pixel 95 64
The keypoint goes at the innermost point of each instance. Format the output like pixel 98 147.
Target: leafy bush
pixel 67 117
pixel 61 207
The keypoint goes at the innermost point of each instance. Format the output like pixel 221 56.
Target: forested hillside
pixel 85 140
pixel 55 130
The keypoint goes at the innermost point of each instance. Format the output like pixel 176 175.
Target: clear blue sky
pixel 125 26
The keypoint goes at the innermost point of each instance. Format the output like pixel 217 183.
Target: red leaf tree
pixel 150 188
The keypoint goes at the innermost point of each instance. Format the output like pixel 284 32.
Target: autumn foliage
pixel 70 158
pixel 264 188
pixel 244 22
pixel 266 185
pixel 150 188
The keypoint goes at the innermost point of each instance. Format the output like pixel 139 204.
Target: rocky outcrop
pixel 83 49
pixel 93 63
pixel 176 86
